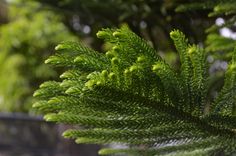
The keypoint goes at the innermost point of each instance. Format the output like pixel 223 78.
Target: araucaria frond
pixel 131 96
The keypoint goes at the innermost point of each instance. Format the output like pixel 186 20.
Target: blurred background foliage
pixel 152 19
pixel 30 29
pixel 221 35
pixel 28 36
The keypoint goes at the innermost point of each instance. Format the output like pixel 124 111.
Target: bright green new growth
pixel 131 96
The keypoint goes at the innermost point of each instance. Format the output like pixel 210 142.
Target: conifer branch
pixel 130 95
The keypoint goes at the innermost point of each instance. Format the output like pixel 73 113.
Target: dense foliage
pixel 163 96
pixel 131 96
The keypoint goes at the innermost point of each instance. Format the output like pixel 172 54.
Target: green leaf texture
pixel 131 96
